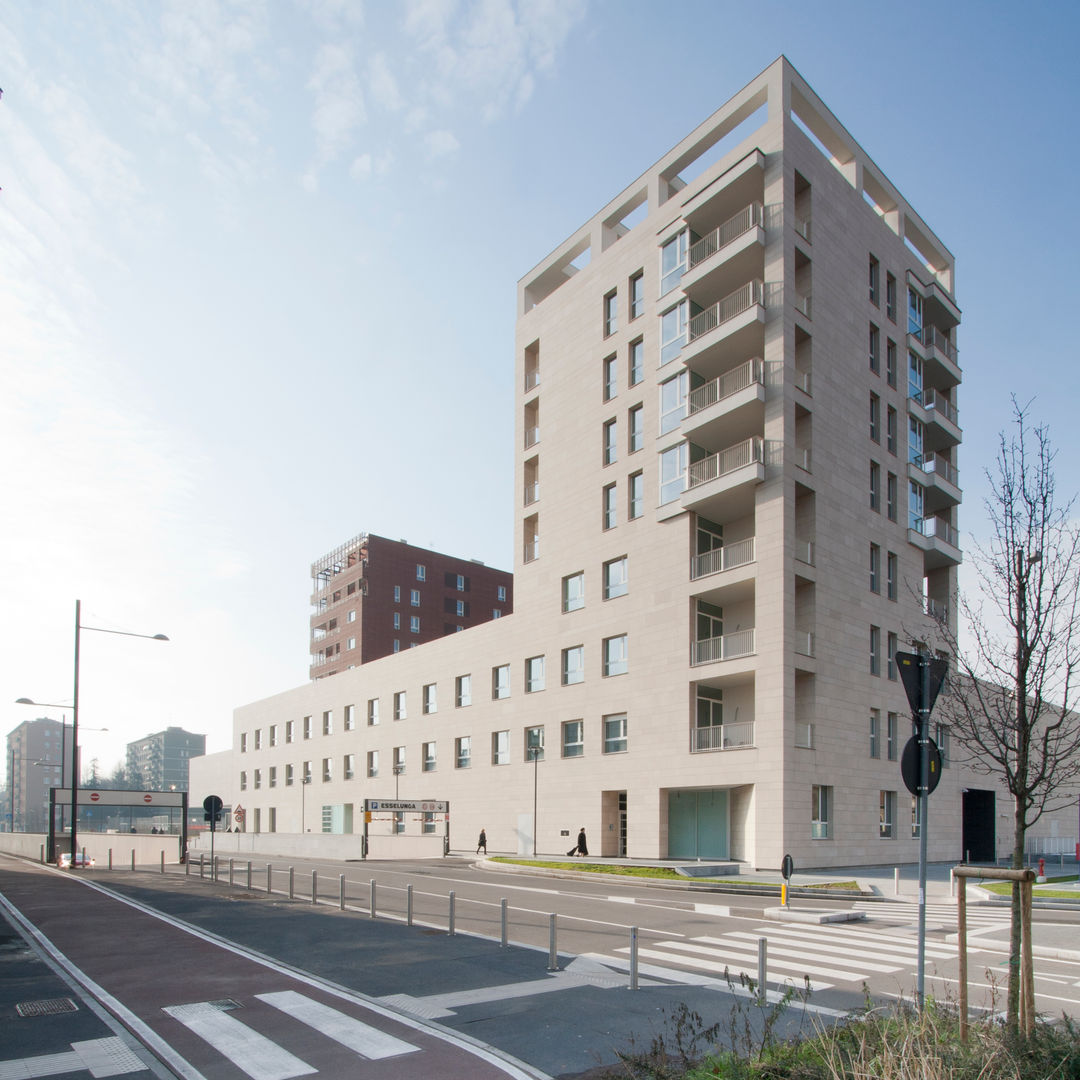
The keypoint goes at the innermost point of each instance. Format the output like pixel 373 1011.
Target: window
pixel 915 377
pixel 399 761
pixel 397 620
pixel 372 711
pixel 502 594
pixel 616 578
pixel 636 366
pixel 875 356
pixel 941 737
pixel 891 645
pixel 673 260
pixel 243 742
pixel 460 608
pixel 637 295
pixel 573 592
pixel 307 727
pixel 349 766
pixel 373 763
pixel 890 496
pixel 635 503
pixel 875 486
pixel 875 568
pixel 915 506
pixel 463 752
pixel 611 441
pixel 350 718
pixel 258 738
pixel 273 735
pixel 573 736
pixel 615 734
pixel 397 594
pixel 610 516
pixel 421 572
pixel 875 733
pixel 534 674
pixel 414 597
pixel 399 822
pixel 875 418
pixel 288 776
pixel 305 772
pixel 328 723
pixel 873 280
pixel 243 780
pixel 429 821
pixel 875 650
pixel 616 660
pixel 459 582
pixel 534 743
pixel 673 401
pixel 886 814
pixel 915 441
pixel 500 748
pixel 290 731
pixel 397 645
pixel 672 332
pixel 914 816
pixel 414 624
pixel 890 735
pixel 890 575
pixel 463 691
pixel 820 806
pixel 610 377
pixel 573 665
pixel 637 428
pixel 890 296
pixel 611 313
pixel 400 708
pixel 327 773
pixel 890 430
pixel 428 755
pixel 430 700
pixel 500 682
pixel 915 321
pixel 890 362
pixel 672 473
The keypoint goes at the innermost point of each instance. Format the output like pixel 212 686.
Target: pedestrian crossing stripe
pixel 716 970
pixel 875 946
pixel 981 914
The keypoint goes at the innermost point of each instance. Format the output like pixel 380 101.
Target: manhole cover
pixel 225 1004
pixel 50 1007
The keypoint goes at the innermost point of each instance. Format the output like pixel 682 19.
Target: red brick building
pixel 373 596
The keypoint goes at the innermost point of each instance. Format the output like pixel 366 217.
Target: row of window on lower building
pixel 889 827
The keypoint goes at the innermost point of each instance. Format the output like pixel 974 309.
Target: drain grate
pixel 49 1007
pixel 225 1004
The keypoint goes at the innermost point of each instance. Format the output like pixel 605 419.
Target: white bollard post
pixel 762 950
pixel 292 881
pixel 633 958
pixel 371 902
pixel 408 905
pixel 452 900
pixel 314 886
pixel 896 881
pixel 553 949
pixel 163 862
pixel 505 923
pixel 341 892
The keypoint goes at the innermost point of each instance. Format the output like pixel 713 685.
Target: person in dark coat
pixel 482 842
pixel 582 847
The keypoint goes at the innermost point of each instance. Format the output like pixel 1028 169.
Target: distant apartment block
pixel 38 759
pixel 160 762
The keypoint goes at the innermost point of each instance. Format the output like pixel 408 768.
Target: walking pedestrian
pixel 482 842
pixel 582 847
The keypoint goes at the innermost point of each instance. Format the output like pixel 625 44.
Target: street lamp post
pixel 398 770
pixel 304 781
pixel 535 752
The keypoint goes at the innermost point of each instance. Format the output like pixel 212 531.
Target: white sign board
pixel 416 806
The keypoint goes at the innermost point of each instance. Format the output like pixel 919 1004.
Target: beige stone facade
pixel 734 386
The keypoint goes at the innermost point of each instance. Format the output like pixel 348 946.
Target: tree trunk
pixel 1012 1009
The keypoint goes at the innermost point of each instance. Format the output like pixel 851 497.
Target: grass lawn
pixel 1004 888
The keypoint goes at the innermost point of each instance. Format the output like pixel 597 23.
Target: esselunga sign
pixel 416 806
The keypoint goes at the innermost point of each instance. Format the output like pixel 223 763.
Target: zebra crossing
pixel 979 916
pixel 826 954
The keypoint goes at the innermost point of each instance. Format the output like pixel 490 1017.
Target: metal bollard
pixel 314 886
pixel 187 865
pixel 202 868
pixel 41 854
pixel 504 922
pixel 896 881
pixel 230 873
pixel 110 858
pixel 553 949
pixel 371 901
pixel 452 899
pixel 269 879
pixel 292 881
pixel 341 892
pixel 408 906
pixel 163 862
pixel 952 883
pixel 249 874
pixel 132 858
pixel 633 958
pixel 762 952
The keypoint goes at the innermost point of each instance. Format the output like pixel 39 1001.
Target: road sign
pixel 416 806
pixel 909 766
pixel 787 867
pixel 910 665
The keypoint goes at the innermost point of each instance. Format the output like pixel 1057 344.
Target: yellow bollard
pixel 783 894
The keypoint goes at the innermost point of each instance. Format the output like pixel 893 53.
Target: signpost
pixel 923 677
pixel 212 805
pixel 787 868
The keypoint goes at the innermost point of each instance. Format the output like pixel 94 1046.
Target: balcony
pixel 726 647
pixel 941 418
pixel 940 355
pixel 803 305
pixel 750 217
pixel 732 404
pixel 722 737
pixel 721 485
pixel 730 307
pixel 938 540
pixel 532 436
pixel 939 478
pixel 725 256
pixel 936 609
pixel 532 493
pixel 802 228
pixel 719 560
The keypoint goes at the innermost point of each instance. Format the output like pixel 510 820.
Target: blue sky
pixel 258 266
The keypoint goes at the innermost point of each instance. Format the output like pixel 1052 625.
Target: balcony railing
pixel 532 493
pixel 804 735
pixel 726 647
pixel 723 386
pixel 728 557
pixel 937 528
pixel 802 227
pixel 932 399
pixel 722 737
pixel 936 609
pixel 804 551
pixel 742 299
pixel 802 458
pixel 532 550
pixel 933 338
pixel 802 382
pixel 532 436
pixel 938 466
pixel 748 452
pixel 742 222
pixel 802 304
pixel 804 642
pixel 532 380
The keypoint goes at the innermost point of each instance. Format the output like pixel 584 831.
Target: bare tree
pixel 1011 708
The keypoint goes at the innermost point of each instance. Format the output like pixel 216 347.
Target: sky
pixel 258 264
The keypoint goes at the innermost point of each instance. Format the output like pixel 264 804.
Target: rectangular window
pixel 349 766
pixel 429 821
pixel 573 592
pixel 399 821
pixel 890 735
pixel 400 706
pixel 414 624
pixel 873 280
pixel 430 702
pixel 429 757
pixel 890 575
pixel 875 486
pixel 328 723
pixel 534 743
pixel 372 711
pixel 820 808
pixel 573 738
pixel 243 742
pixel 273 735
pixel 373 763
pixel 414 597
pixel 463 752
pixel 459 609
pixel 258 738
pixel 914 817
pixel 886 814
pixel 288 776
pixel 615 734
pixel 397 620
pixel 875 650
pixel 890 496
pixel 891 645
pixel 290 731
pixel 915 506
pixel 243 780
pixel 463 691
pixel 637 295
pixel 500 748
pixel 890 430
pixel 307 727
pixel 610 516
pixel 502 594
pixel 890 362
pixel 875 418
pixel 500 682
pixel 305 772
pixel 637 428
pixel 635 502
pixel 672 473
pixel 616 578
pixel 875 568
pixel 350 718
pixel 397 645
pixel 941 737
pixel 673 393
pixel 875 354
pixel 915 377
pixel 611 313
pixel 399 761
pixel 636 362
pixel 397 594
pixel 915 313
pixel 875 733
pixel 421 572
pixel 351 617
pixel 327 773
pixel 573 665
pixel 611 441
pixel 673 261
pixel 916 431
pixel 672 332
pixel 611 386
pixel 890 296
pixel 534 674
pixel 616 659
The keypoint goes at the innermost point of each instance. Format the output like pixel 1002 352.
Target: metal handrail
pixel 728 557
pixel 746 219
pixel 725 647
pixel 723 386
pixel 735 303
pixel 726 461
pixel 722 736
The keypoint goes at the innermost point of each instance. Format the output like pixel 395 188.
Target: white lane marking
pixel 744 954
pixel 363 1039
pixel 261 1058
pixel 722 910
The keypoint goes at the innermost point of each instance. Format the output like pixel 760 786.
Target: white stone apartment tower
pixel 736 481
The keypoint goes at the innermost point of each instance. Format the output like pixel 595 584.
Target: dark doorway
pixel 979 834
